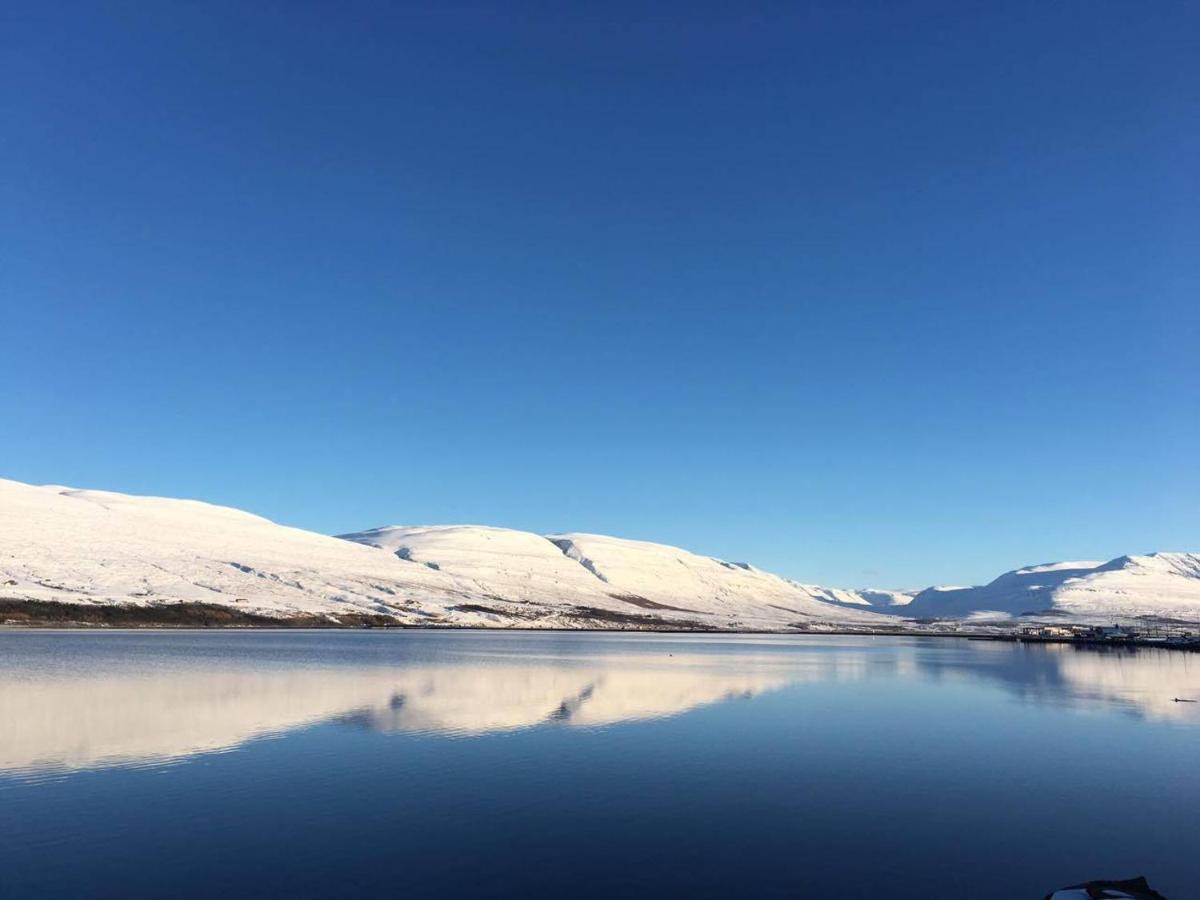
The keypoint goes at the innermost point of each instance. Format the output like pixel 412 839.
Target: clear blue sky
pixel 865 293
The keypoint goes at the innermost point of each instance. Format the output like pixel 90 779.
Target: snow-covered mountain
pixel 1158 584
pixel 97 547
pixel 593 569
pixel 887 601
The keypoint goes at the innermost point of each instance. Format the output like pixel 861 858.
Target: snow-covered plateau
pixel 64 545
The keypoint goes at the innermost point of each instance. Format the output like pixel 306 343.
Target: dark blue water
pixel 520 765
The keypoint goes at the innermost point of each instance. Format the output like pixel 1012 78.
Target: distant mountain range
pixel 1158 584
pixel 63 545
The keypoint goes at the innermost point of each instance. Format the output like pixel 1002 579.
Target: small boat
pixel 1129 889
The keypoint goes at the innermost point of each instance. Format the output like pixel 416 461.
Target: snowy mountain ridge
pixel 67 545
pixel 1156 584
pixel 96 547
pixel 584 568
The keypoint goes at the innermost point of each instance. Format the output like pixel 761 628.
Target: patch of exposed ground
pixel 43 613
pixel 492 611
pixel 633 620
pixel 635 600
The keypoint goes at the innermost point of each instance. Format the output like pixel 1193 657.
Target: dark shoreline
pixel 52 614
pixel 40 615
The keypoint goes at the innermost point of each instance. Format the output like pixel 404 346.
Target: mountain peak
pixel 1157 584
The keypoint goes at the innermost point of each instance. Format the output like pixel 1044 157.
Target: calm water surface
pixel 192 764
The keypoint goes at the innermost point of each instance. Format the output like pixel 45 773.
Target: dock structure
pixel 1171 636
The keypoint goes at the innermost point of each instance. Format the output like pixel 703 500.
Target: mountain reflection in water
pixel 150 703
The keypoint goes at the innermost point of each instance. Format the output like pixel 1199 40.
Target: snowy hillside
pixel 96 547
pixel 870 598
pixel 1159 584
pixel 633 577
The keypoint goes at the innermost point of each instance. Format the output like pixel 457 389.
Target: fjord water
pixel 373 763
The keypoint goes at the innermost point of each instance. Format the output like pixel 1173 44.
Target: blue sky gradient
pixel 863 293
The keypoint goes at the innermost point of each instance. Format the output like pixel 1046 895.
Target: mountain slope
pixel 634 577
pixel 66 545
pixel 95 546
pixel 1158 584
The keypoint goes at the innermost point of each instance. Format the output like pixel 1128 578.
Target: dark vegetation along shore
pixel 52 614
